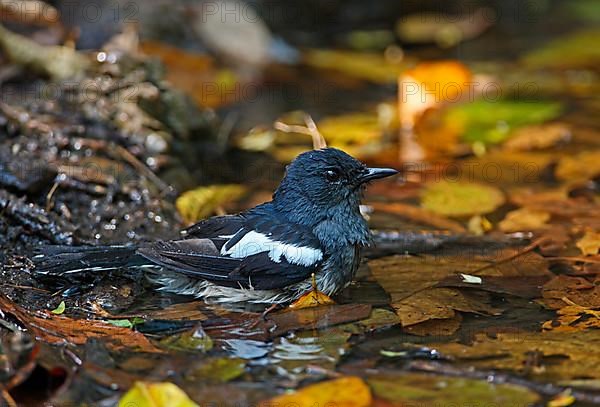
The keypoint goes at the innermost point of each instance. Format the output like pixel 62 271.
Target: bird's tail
pixel 59 261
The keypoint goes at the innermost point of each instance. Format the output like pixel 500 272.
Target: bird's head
pixel 318 180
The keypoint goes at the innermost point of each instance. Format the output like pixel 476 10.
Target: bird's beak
pixel 376 173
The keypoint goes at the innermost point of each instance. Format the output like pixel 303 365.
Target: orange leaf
pixel 347 391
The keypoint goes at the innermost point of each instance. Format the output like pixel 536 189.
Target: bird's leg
pixel 267 311
pixel 314 283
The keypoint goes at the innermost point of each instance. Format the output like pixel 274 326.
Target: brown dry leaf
pixel 589 244
pixel 562 355
pixel 523 219
pixel 436 327
pixel 412 282
pixel 538 137
pixel 578 290
pixel 347 391
pixel 59 329
pixel 574 317
pixel 578 167
pixel 440 303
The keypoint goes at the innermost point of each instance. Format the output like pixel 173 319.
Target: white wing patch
pixel 254 243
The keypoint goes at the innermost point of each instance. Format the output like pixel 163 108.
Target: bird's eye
pixel 332 175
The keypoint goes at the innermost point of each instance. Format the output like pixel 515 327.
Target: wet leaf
pixel 439 303
pixel 311 299
pixel 343 392
pixel 524 219
pixel 543 356
pixel 427 391
pixel 572 51
pixel 538 137
pixel 218 370
pixel 578 167
pixel 59 329
pixel 125 323
pixel 204 201
pixel 436 327
pixel 461 199
pixel 578 290
pixel 59 309
pixel 589 244
pixel 144 394
pixel 379 319
pixel 195 340
pixel 574 317
pixel 492 121
pixel 564 399
pixel 368 66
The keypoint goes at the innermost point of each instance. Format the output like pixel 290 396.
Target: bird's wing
pixel 264 254
pixel 218 228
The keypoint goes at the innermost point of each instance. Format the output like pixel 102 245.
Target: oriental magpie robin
pixel 267 254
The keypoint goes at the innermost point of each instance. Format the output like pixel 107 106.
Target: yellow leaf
pixel 577 167
pixel 347 391
pixel 312 299
pixel 461 199
pixel 563 399
pixel 589 244
pixel 156 395
pixel 204 201
pixel 523 219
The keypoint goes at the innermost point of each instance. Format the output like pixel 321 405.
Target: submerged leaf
pixel 144 394
pixel 461 199
pixel 428 391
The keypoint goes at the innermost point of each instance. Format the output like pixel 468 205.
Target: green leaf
pixel 491 122
pixel 60 309
pixel 126 323
pixel 192 341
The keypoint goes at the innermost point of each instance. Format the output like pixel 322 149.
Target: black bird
pixel 267 254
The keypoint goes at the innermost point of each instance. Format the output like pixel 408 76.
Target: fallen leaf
pixel 538 137
pixel 347 391
pixel 523 220
pixel 561 355
pixel 461 199
pixel 368 66
pixel 589 244
pixel 217 370
pixel 564 399
pixel 202 202
pixel 59 329
pixel 312 299
pixel 574 317
pixel 439 303
pixel 575 289
pixel 59 309
pixel 436 327
pixel 429 390
pixel 195 340
pixel 144 394
pixel 419 215
pixel 491 121
pixel 576 50
pixel 579 167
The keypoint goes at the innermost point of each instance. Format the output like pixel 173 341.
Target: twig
pixel 309 128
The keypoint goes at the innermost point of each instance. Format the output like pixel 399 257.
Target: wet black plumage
pixel 266 254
